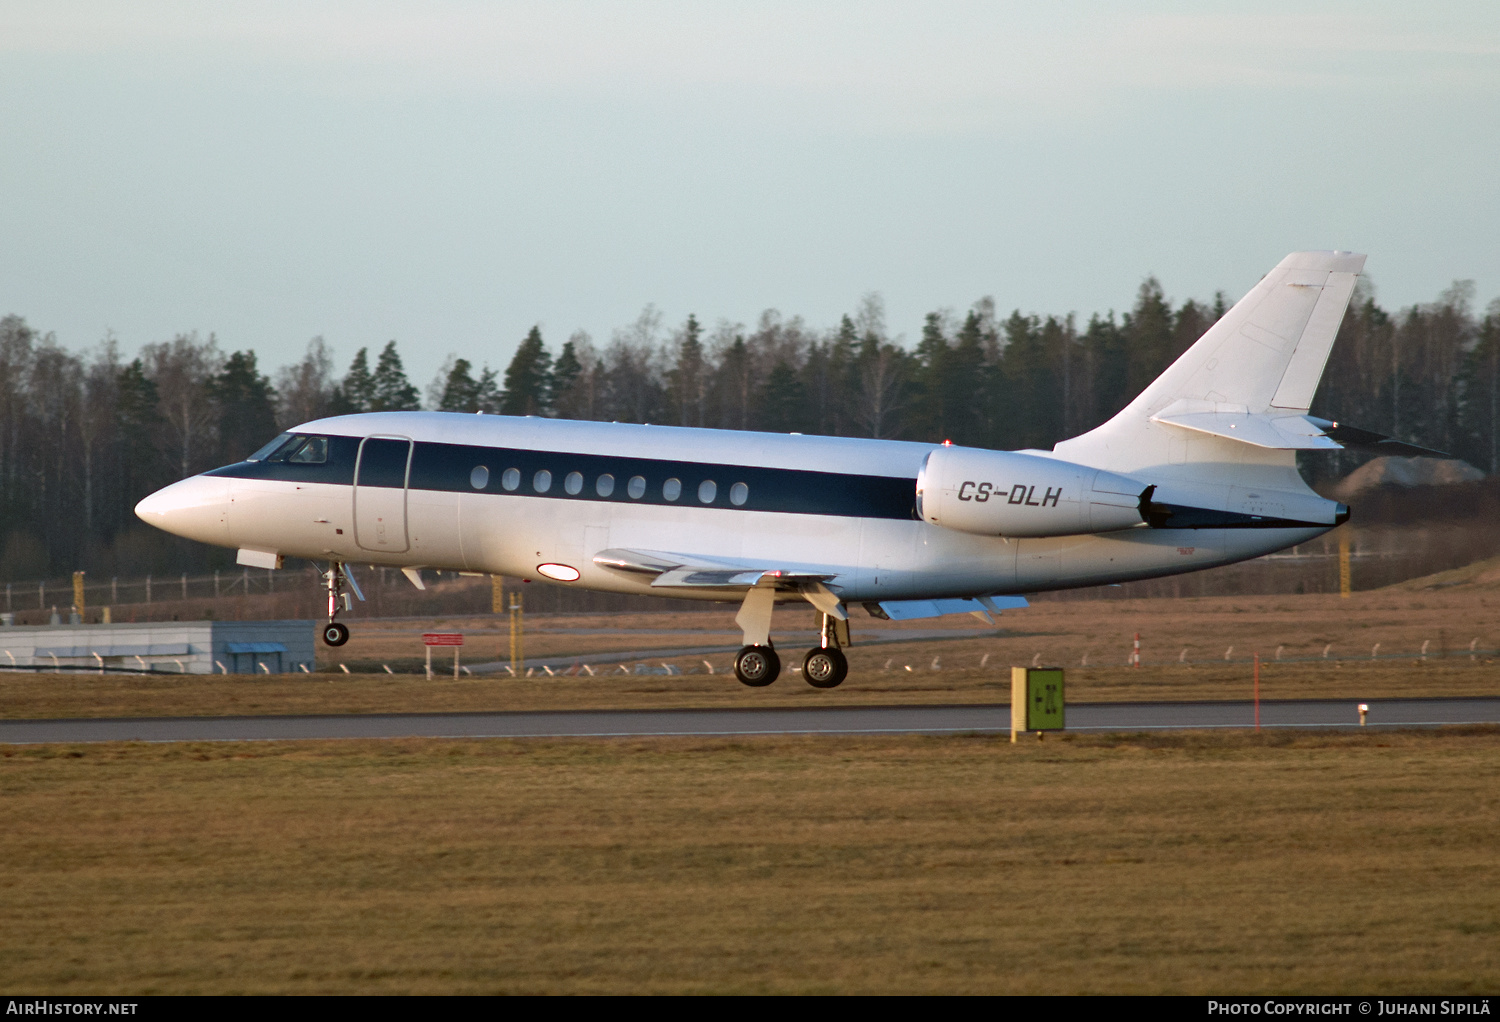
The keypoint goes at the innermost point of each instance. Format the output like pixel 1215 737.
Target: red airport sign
pixel 442 639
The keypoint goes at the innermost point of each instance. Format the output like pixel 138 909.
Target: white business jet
pixel 1197 471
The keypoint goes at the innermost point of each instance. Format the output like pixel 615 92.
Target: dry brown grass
pixel 65 695
pixel 1187 863
pixel 1051 632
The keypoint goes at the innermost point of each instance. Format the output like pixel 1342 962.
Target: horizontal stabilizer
pixel 1278 432
pixel 1284 432
pixel 1378 443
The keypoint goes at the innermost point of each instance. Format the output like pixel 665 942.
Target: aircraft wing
pixel 696 571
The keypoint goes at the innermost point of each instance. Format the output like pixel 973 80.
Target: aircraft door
pixel 380 477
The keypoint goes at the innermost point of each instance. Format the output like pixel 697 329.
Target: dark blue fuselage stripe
pixel 450 468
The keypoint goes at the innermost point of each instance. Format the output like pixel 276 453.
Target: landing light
pixel 559 572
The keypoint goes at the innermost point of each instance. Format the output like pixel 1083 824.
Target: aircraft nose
pixel 195 508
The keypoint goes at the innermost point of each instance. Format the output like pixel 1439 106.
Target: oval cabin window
pixel 707 491
pixel 637 487
pixel 542 481
pixel 738 494
pixel 671 489
pixel 480 477
pixel 574 483
pixel 511 478
pixel 605 486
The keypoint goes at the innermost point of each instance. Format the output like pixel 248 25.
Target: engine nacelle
pixel 1002 493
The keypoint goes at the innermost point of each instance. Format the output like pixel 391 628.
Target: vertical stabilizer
pixel 1265 356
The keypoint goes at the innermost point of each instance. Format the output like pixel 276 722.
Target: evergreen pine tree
pixel 460 389
pixel 969 423
pixel 843 381
pixel 933 419
pixel 783 402
pixel 246 411
pixel 687 378
pixel 140 462
pixel 528 378
pixel 357 392
pixel 390 390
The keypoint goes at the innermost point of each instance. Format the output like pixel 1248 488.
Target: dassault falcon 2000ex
pixel 1199 470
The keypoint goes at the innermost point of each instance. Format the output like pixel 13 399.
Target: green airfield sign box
pixel 1036 699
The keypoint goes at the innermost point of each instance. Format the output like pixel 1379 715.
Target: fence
pixel 297 592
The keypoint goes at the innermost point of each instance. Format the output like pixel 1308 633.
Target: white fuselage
pixel 824 505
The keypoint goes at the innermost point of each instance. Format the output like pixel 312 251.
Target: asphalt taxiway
pixel 833 720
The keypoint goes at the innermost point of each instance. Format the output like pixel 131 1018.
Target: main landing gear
pixel 335 632
pixel 757 664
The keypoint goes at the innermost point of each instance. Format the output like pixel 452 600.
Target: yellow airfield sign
pixel 1036 699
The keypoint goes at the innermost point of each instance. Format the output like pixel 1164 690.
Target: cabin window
pixel 605 485
pixel 574 483
pixel 637 487
pixel 542 481
pixel 671 489
pixel 313 452
pixel 480 477
pixel 707 491
pixel 738 494
pixel 511 479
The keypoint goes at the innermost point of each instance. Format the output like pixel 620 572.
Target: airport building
pixel 184 647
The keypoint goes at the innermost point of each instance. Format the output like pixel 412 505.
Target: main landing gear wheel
pixel 757 666
pixel 825 668
pixel 335 633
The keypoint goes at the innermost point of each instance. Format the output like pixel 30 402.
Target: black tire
pixel 757 666
pixel 825 668
pixel 335 633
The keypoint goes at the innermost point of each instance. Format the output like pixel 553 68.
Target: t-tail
pixel 1228 417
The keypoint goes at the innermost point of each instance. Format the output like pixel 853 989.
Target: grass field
pixel 1184 642
pixel 55 696
pixel 1175 863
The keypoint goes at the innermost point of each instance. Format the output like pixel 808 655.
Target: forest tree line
pixel 83 436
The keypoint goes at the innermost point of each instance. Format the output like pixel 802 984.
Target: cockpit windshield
pixel 298 450
pixel 265 452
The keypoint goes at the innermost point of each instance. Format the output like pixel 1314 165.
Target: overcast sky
pixel 448 174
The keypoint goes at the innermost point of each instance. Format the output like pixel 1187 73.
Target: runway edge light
pixel 1036 700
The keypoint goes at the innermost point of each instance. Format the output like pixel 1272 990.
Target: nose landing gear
pixel 335 633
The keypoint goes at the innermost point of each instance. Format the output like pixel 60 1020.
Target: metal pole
pixel 429 663
pixel 1344 565
pixel 455 663
pixel 1257 691
pixel 517 641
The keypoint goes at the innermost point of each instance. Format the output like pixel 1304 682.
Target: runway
pixel 870 720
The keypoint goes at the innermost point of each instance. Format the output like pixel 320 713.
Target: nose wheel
pixel 335 579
